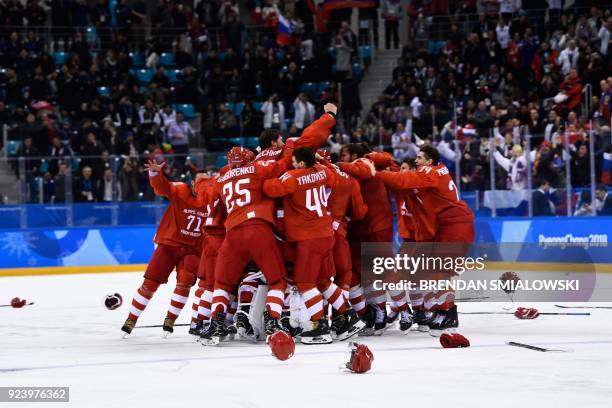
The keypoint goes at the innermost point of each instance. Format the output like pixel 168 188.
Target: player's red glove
pixel 526 313
pixel 454 340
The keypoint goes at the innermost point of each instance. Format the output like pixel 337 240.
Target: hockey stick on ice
pixel 583 307
pixel 535 348
pixel 160 325
pixel 472 299
pixel 9 305
pixel 541 313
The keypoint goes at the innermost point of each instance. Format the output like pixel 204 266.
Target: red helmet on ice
pixel 18 303
pixel 238 156
pixel 282 345
pixel 361 358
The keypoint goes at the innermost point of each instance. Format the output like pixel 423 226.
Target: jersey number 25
pixel 236 194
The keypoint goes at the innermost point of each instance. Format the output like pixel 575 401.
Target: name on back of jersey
pixel 311 178
pixel 238 171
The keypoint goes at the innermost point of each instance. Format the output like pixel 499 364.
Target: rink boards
pixel 537 244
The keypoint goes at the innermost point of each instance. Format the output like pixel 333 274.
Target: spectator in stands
pixel 130 148
pixel 274 114
pixel 392 14
pixel 291 83
pixel 605 36
pixel 168 115
pixel 545 160
pixel 59 181
pixel 85 186
pixel 604 200
pixel 48 188
pixel 149 113
pixel 542 206
pixel 583 207
pixel 568 59
pixel 304 112
pixel 571 89
pixel 104 191
pixel 57 153
pixel 345 45
pixel 580 166
pixel 187 91
pixel 228 125
pixel 91 152
pixel 351 101
pixel 129 181
pixel 250 120
pixel 515 166
pixel 179 134
pixel 31 154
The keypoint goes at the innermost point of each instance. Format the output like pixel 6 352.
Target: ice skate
pixel 445 321
pixel 196 327
pixel 244 327
pixel 406 320
pixel 128 326
pixel 346 325
pixel 319 334
pixel 168 326
pixel 215 332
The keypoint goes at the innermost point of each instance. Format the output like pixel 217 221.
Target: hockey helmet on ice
pixel 361 358
pixel 113 301
pixel 282 345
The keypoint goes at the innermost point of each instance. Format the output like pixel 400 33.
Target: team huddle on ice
pixel 274 240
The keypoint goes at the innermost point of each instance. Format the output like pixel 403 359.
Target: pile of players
pixel 279 235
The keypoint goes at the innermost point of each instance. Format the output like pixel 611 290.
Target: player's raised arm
pixel 316 134
pixel 424 177
pixel 161 186
pixel 359 168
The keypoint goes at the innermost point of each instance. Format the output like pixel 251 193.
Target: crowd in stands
pixel 79 80
pixel 496 79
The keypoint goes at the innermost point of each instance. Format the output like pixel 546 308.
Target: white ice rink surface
pixel 68 338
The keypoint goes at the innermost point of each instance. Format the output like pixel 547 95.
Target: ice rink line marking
pixel 267 355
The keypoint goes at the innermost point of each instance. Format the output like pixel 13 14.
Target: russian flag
pixel 284 31
pixel 606 176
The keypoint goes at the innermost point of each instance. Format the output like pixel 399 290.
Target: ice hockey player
pixel 376 226
pixel 441 207
pixel 308 225
pixel 214 234
pixel 249 236
pixel 179 243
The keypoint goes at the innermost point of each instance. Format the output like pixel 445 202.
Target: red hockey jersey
pixel 380 213
pixel 183 220
pixel 345 202
pixel 240 191
pixel 305 193
pixel 435 190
